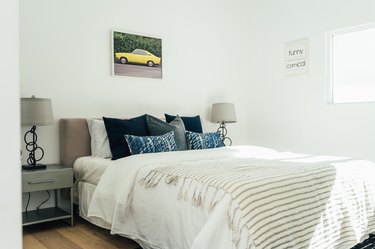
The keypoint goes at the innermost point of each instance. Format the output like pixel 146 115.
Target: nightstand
pixel 56 178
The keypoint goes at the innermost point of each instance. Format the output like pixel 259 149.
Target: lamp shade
pixel 36 111
pixel 223 112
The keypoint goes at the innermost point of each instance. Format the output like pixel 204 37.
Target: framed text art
pixel 136 55
pixel 296 57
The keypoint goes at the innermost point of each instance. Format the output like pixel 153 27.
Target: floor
pixel 83 235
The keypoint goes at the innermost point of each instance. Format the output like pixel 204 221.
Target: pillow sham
pixel 117 128
pixel 99 139
pixel 151 144
pixel 191 123
pixel 209 140
pixel 158 127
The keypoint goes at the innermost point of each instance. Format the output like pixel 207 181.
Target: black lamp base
pixel 33 167
pixel 31 147
pixel 223 131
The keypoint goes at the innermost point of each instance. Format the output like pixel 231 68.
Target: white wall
pixel 212 51
pixel 66 56
pixel 10 184
pixel 291 113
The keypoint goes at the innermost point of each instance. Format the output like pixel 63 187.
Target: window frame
pixel 329 47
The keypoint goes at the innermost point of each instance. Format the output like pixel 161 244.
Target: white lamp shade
pixel 223 112
pixel 36 111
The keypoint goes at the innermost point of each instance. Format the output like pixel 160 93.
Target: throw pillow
pixel 117 128
pixel 151 144
pixel 158 127
pixel 209 140
pixel 191 123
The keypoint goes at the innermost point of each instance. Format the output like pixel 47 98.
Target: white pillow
pixel 99 139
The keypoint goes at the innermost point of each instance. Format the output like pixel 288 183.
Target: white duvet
pixel 156 218
pixel 90 169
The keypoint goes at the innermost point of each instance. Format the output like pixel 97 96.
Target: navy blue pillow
pixel 191 123
pixel 209 140
pixel 117 128
pixel 151 144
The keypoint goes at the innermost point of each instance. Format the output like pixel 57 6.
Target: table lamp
pixel 35 112
pixel 223 113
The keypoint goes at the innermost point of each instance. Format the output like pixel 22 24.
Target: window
pixel 139 52
pixel 352 64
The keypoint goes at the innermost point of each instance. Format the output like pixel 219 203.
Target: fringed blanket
pixel 278 204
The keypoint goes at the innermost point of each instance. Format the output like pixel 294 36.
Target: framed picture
pixel 297 57
pixel 136 55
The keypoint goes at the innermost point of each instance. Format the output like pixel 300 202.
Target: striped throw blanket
pixel 278 204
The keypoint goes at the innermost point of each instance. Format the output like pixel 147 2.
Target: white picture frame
pixel 297 57
pixel 136 55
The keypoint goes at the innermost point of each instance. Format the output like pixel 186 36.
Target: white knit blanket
pixel 279 204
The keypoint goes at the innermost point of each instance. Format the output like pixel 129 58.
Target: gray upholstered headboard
pixel 74 140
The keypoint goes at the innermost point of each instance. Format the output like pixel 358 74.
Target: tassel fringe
pixel 198 198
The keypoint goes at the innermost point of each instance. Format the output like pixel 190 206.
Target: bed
pixel 229 197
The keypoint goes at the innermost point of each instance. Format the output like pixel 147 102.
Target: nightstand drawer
pixel 47 180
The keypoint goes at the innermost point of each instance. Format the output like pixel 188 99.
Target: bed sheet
pixel 90 169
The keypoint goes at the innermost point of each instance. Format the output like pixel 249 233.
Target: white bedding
pixel 157 219
pixel 90 169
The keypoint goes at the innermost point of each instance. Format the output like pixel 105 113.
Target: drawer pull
pixel 41 181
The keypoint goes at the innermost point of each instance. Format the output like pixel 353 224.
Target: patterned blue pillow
pixel 151 144
pixel 157 127
pixel 197 141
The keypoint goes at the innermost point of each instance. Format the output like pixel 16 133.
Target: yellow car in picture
pixel 138 56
